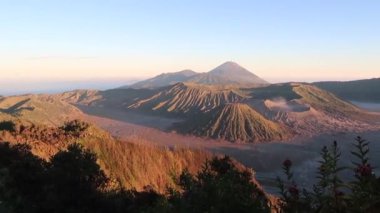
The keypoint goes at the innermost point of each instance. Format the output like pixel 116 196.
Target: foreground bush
pixel 75 127
pixel 331 193
pixel 72 181
pixel 9 126
pixel 219 187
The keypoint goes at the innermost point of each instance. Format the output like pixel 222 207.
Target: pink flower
pixel 293 190
pixel 364 170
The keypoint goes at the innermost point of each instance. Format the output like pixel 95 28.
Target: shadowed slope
pixel 162 80
pixel 367 90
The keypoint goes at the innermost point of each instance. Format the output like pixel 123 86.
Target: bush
pixel 331 193
pixel 219 187
pixel 9 126
pixel 75 127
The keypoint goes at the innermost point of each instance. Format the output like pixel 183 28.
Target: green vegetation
pixel 75 127
pixel 7 126
pixel 72 181
pixel 219 187
pixel 91 172
pixel 331 193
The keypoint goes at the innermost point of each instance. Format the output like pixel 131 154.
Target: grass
pixel 130 165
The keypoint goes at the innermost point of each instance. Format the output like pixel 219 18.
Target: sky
pixel 72 42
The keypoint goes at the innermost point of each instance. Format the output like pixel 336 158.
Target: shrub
pixel 9 126
pixel 75 127
pixel 331 193
pixel 219 187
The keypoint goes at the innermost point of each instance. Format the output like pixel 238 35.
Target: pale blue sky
pixel 279 40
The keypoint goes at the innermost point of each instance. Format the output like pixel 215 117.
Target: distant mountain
pixel 234 72
pixel 367 90
pixel 227 74
pixel 236 122
pixel 164 79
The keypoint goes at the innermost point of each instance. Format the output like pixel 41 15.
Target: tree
pixel 22 178
pixel 219 187
pixel 9 126
pixel 75 127
pixel 331 193
pixel 76 181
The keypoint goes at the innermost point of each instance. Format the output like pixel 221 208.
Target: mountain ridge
pixel 364 90
pixel 226 74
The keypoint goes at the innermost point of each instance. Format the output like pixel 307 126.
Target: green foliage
pixel 22 176
pixel 9 126
pixel 70 182
pixel 219 187
pixel 331 193
pixel 365 188
pixel 75 170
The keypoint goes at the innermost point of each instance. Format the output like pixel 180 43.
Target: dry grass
pixel 131 165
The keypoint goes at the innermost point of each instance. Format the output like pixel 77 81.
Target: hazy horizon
pixel 20 87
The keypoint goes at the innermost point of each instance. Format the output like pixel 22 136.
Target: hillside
pixel 184 98
pixel 211 79
pixel 118 98
pixel 131 165
pixel 325 101
pixel 236 123
pixel 40 109
pixel 162 80
pixel 367 90
pixel 204 110
pixel 308 110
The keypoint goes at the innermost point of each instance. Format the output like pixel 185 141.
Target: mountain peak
pixel 187 72
pixel 233 71
pixel 229 64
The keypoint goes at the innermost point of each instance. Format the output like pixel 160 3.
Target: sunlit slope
pixel 131 165
pixel 40 109
pixel 188 98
